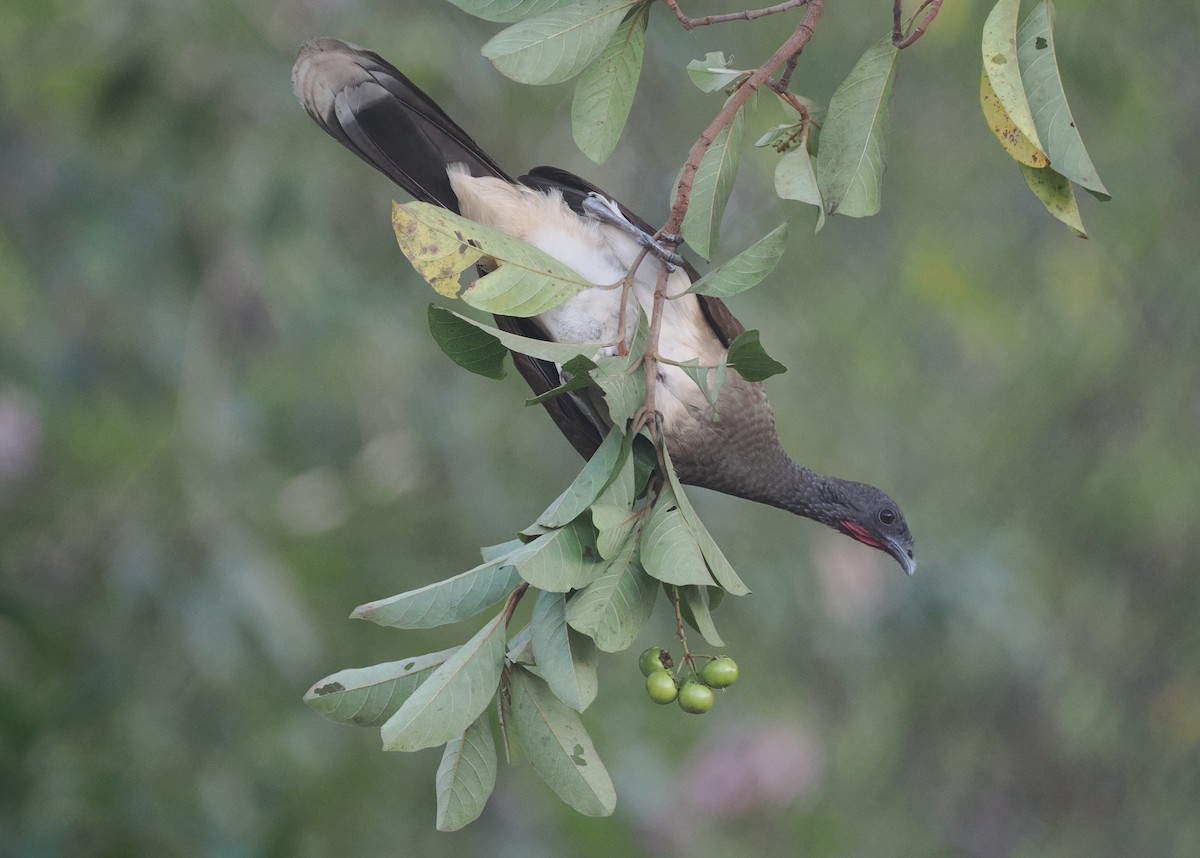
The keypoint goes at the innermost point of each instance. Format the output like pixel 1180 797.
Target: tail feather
pixel 369 106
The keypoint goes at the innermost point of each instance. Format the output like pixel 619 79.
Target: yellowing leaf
pixel 1001 67
pixel 1014 141
pixel 1057 195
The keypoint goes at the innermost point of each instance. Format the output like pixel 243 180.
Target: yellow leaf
pixel 1014 141
pixel 1056 194
pixel 439 255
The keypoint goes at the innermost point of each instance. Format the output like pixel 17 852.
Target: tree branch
pixel 929 7
pixel 744 15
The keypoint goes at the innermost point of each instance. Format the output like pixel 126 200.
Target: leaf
pixel 854 137
pixel 566 658
pixel 560 353
pixel 1056 194
pixel 747 269
pixel 720 567
pixel 441 245
pixel 713 73
pixel 367 696
pixel 469 346
pixel 795 178
pixel 466 776
pixel 712 186
pixel 1015 143
pixel 605 90
pixel 452 697
pixel 622 378
pixel 449 601
pixel 557 45
pixel 558 746
pixel 613 524
pixel 576 372
pixel 564 559
pixel 492 552
pixel 508 11
pixel 695 609
pixel 614 607
pixel 748 357
pixel 586 487
pixel 700 375
pixel 669 551
pixel 1001 65
pixel 1048 101
pixel 520 646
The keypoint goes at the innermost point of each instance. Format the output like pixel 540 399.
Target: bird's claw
pixel 606 211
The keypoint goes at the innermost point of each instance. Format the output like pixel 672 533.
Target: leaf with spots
pixel 441 245
pixel 453 696
pixel 368 696
pixel 558 746
pixel 1001 65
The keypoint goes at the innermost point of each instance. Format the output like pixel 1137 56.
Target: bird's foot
pixel 606 211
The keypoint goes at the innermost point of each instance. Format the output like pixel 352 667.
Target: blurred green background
pixel 223 425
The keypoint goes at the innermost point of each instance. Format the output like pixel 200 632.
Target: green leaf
pixel 1001 64
pixel 614 607
pixel 520 646
pixel 441 245
pixel 557 45
pixel 443 602
pixel 713 185
pixel 748 357
pixel 622 377
pixel 508 11
pixel 452 697
pixel 695 609
pixel 669 551
pixel 613 525
pixel 566 658
pixel 713 72
pixel 560 353
pixel 493 552
pixel 1056 194
pixel 747 269
pixel 558 746
pixel 469 346
pixel 586 487
pixel 466 776
pixel 605 90
pixel 576 372
pixel 367 696
pixel 795 178
pixel 854 137
pixel 701 375
pixel 720 567
pixel 561 560
pixel 1048 101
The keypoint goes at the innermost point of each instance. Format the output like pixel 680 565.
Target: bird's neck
pixel 805 492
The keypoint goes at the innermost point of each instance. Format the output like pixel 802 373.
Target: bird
pixel 370 107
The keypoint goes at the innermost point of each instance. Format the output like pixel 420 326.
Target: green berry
pixel 653 659
pixel 695 697
pixel 720 672
pixel 660 685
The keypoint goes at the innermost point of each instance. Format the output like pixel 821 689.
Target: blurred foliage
pixel 223 425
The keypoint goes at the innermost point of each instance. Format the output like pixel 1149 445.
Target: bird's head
pixel 866 514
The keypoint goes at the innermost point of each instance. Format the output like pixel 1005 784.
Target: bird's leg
pixel 606 211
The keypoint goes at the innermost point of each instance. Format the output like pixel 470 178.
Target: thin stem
pixel 626 291
pixel 929 7
pixel 514 598
pixel 745 15
pixel 679 630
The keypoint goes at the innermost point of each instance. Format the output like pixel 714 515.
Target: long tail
pixel 370 107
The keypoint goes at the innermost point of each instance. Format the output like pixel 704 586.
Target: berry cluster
pixel 695 695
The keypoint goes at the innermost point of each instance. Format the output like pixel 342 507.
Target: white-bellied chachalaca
pixel 379 114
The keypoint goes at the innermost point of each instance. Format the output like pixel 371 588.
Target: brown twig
pixel 626 291
pixel 744 15
pixel 514 598
pixel 929 7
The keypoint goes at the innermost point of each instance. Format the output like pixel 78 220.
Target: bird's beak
pixel 902 553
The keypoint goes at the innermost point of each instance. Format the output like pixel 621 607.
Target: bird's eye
pixel 887 516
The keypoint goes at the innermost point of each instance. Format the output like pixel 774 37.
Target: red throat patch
pixel 856 530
